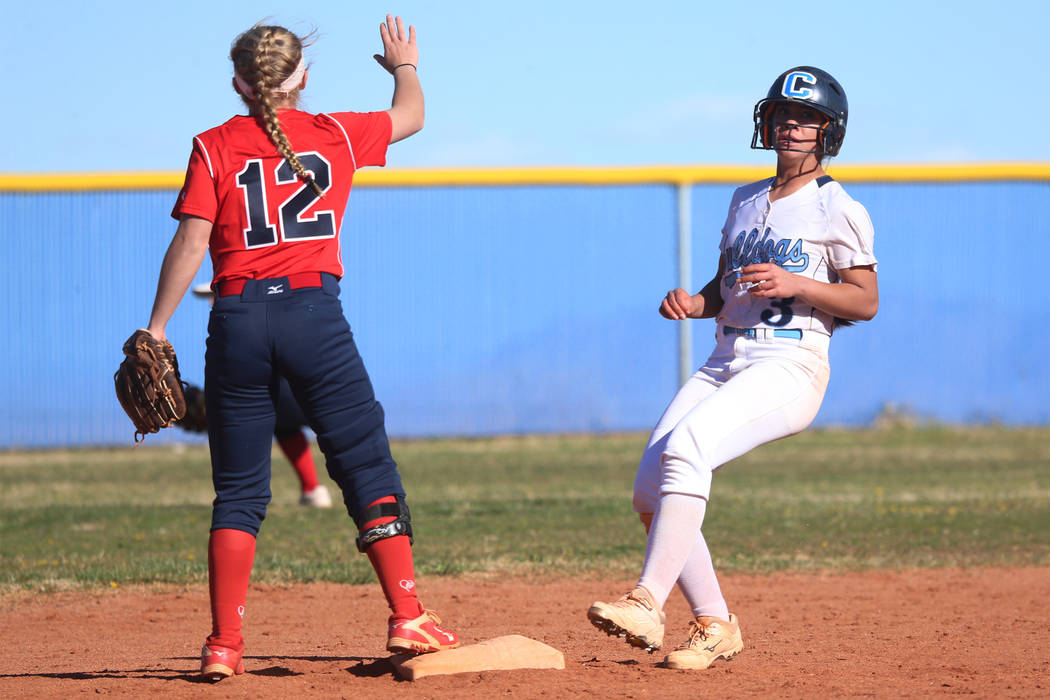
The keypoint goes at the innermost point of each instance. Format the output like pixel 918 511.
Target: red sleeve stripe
pixel 353 162
pixel 207 158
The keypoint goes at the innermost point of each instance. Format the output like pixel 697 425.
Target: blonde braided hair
pixel 264 57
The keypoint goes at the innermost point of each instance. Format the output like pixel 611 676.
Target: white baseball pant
pixel 751 390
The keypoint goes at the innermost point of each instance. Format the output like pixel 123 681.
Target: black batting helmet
pixel 812 87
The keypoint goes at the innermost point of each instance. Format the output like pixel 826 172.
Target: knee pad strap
pixel 395 528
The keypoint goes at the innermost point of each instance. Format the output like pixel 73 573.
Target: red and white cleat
pixel 420 636
pixel 221 662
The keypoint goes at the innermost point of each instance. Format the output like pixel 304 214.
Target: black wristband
pixel 401 65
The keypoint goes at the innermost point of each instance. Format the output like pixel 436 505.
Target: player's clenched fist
pixel 399 47
pixel 678 305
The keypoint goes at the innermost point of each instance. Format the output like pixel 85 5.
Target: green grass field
pixel 546 505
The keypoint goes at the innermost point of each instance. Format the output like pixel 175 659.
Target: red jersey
pixel 266 221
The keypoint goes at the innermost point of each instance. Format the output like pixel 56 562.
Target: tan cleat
pixel 710 638
pixel 634 617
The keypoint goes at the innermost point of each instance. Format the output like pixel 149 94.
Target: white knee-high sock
pixel 676 525
pixel 699 584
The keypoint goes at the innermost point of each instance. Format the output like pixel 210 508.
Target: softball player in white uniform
pixel 796 260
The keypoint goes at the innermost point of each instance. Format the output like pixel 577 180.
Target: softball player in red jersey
pixel 266 194
pixel 796 260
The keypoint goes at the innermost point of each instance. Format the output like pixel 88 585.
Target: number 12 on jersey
pixel 291 223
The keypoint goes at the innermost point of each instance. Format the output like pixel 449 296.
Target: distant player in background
pixel 288 432
pixel 266 194
pixel 796 260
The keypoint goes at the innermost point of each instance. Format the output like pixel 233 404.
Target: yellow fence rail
pixel 563 175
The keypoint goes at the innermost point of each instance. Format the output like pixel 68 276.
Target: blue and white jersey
pixel 813 232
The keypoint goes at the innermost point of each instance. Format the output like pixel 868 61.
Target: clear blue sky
pixel 102 86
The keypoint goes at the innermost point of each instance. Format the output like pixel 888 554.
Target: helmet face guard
pixel 812 88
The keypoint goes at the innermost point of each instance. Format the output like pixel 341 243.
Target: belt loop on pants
pixel 763 333
pixel 297 280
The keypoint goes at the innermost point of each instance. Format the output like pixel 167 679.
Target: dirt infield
pixel 883 634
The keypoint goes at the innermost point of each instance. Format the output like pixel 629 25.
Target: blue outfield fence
pixel 530 306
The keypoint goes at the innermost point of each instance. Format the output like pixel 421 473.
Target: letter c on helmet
pixel 791 88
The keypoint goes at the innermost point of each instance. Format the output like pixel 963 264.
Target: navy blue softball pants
pixel 258 336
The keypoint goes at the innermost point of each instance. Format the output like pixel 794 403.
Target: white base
pixel 505 653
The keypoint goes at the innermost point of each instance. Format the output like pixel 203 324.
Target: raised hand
pixel 399 47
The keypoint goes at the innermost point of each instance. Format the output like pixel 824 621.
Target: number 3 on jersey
pixel 784 307
pixel 292 225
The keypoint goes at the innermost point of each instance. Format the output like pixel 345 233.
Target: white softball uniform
pixel 767 375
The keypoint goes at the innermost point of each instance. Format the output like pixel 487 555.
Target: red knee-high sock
pixel 297 449
pixel 392 560
pixel 230 557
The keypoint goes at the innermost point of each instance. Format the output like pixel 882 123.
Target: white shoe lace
pixel 697 633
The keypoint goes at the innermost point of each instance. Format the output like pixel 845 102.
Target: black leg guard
pixel 401 526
